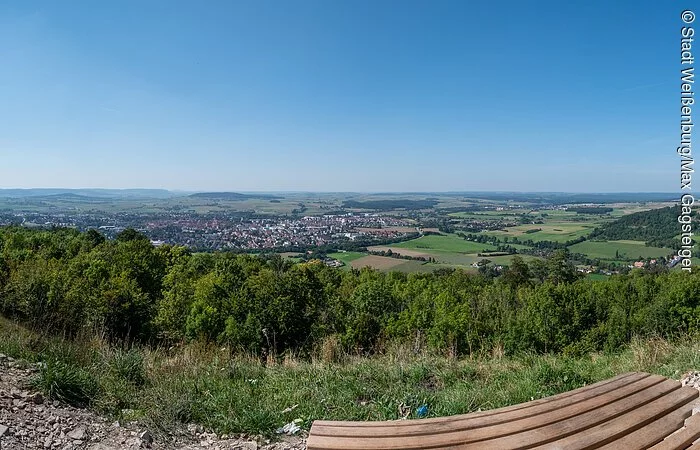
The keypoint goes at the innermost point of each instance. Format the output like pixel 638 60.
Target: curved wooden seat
pixel 633 410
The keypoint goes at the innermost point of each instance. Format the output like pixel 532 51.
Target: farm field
pixel 518 246
pixel 628 250
pixel 383 263
pixel 429 267
pixel 413 266
pixel 469 259
pixel 552 231
pixel 400 251
pixel 347 257
pixel 293 256
pixel 562 214
pixel 449 251
pixel 448 243
pixel 622 209
pixel 506 259
pixel 596 276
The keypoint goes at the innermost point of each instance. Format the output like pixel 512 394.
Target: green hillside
pixel 656 227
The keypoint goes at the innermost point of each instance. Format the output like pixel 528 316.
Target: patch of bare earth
pixel 377 262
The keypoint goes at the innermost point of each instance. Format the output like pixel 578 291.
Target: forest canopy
pixel 72 282
pixel 658 227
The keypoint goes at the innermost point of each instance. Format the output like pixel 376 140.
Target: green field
pixel 451 251
pixel 347 257
pixel 597 276
pixel 551 231
pixel 445 243
pixel 460 259
pixel 413 267
pixel 626 250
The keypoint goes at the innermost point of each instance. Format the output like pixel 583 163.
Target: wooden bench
pixel 630 411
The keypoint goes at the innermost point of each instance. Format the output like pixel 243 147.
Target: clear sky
pixel 354 95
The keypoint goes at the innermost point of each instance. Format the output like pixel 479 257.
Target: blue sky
pixel 361 95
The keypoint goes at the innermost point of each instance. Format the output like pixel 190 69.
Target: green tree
pixel 517 273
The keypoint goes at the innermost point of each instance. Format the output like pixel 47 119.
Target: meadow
pixel 619 250
pixel 347 257
pixel 446 243
pixel 551 231
pixel 447 250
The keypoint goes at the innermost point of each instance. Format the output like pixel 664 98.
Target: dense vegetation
pixel 656 227
pixel 126 289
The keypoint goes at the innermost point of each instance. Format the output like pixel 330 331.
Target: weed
pixel 66 382
pixel 128 366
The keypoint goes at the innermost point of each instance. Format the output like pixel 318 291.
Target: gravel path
pixel 28 421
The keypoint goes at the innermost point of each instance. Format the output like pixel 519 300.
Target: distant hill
pixel 70 196
pixel 656 227
pixel 561 198
pixel 232 196
pixel 99 193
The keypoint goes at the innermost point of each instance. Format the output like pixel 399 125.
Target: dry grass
pixel 650 352
pixel 377 262
pixel 330 350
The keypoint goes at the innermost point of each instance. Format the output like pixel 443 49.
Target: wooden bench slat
pixel 581 423
pixel 338 423
pixel 517 433
pixel 631 411
pixel 682 438
pixel 465 422
pixel 611 430
pixel 653 433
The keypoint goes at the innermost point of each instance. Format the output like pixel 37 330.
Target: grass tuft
pixel 128 366
pixel 63 381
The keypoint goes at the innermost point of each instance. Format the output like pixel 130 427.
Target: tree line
pixel 70 282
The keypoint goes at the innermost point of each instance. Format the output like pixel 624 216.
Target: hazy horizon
pixel 243 191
